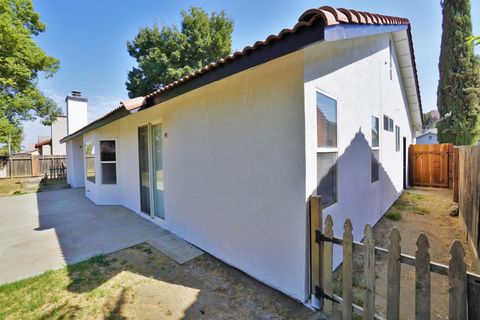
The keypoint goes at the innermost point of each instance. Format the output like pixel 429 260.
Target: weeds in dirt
pixel 420 211
pixel 394 215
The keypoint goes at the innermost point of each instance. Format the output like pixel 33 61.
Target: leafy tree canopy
pixel 21 63
pixel 168 53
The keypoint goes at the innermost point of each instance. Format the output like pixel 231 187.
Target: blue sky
pixel 89 37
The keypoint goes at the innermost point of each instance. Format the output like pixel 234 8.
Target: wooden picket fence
pixel 464 287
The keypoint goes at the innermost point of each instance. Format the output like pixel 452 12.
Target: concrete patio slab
pixel 44 231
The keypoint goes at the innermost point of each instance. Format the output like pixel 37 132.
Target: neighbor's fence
pixel 464 287
pixel 30 165
pixel 431 165
pixel 468 193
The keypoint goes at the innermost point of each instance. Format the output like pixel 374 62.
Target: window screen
pixel 107 150
pixel 109 173
pixel 397 138
pixel 327 177
pixel 89 161
pixel 108 162
pixel 326 121
pixel 375 165
pixel 375 133
pixel 387 123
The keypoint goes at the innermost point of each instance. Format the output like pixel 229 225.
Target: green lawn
pixel 9 186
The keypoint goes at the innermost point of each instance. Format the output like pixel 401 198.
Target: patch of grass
pixel 420 211
pixel 394 215
pixel 356 299
pixel 402 204
pixel 9 186
pixel 416 196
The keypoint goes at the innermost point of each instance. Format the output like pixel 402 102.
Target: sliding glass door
pixel 151 170
pixel 143 158
pixel 157 171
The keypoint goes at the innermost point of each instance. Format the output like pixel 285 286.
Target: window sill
pixel 327 150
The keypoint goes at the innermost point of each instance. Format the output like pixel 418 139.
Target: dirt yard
pixel 142 283
pixel 419 210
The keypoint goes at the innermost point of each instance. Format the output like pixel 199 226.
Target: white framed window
pixel 375 132
pixel 397 138
pixel 326 148
pixel 375 164
pixel 89 151
pixel 387 123
pixel 108 161
pixel 375 155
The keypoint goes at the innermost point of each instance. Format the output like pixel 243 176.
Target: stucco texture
pixel 356 72
pixel 234 170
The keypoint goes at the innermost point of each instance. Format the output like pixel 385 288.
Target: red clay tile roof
pixel 42 143
pixel 330 17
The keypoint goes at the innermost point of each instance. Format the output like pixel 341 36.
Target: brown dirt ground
pixel 423 210
pixel 142 283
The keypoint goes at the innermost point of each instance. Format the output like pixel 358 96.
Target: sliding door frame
pixel 151 172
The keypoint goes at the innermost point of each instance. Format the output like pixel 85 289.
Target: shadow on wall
pixel 358 198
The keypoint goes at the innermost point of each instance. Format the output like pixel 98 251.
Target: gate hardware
pixel 319 294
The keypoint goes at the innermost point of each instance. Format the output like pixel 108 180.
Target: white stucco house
pixel 428 136
pixel 228 156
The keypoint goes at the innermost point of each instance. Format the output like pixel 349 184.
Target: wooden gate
pixel 431 165
pixel 463 291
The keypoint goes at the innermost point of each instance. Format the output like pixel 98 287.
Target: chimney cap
pixel 76 95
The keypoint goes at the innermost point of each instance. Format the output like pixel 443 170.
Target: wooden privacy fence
pixel 431 165
pixel 55 167
pixel 468 193
pixel 464 287
pixel 31 165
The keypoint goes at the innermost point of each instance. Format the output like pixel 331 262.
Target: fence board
pixel 393 276
pixel 469 192
pixel 315 254
pixel 347 269
pixel 30 165
pixel 369 270
pixel 464 287
pixel 422 279
pixel 327 265
pixel 457 301
pixel 431 165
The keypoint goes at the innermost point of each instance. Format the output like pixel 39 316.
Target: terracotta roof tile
pixel 330 17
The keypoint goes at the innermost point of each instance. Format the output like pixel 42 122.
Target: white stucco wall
pixel 77 115
pixel 234 167
pixel 357 73
pixel 75 162
pixel 58 132
pixel 240 157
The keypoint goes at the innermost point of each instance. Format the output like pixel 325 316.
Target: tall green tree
pixel 459 84
pixel 21 63
pixel 168 53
